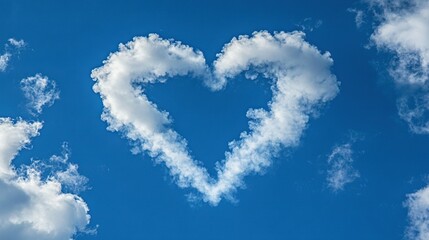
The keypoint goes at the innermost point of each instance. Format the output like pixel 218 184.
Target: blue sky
pixel 347 173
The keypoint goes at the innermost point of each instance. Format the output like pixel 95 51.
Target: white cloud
pixel 32 207
pixel 14 136
pixel 404 31
pixel 418 214
pixel 341 171
pixel 4 60
pixel 17 43
pixel 5 57
pixel 301 82
pixel 40 92
pixel 70 177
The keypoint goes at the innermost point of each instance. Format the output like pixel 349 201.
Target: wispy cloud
pixel 4 61
pixel 418 214
pixel 359 16
pixel 59 168
pixel 414 109
pixel 40 91
pixel 302 81
pixel 12 46
pixel 17 43
pixel 31 206
pixel 403 30
pixel 309 25
pixel 341 171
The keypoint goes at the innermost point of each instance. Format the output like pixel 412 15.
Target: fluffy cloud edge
pixel 403 30
pixel 418 214
pixel 32 207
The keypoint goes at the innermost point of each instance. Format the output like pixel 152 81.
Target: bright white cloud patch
pixel 404 31
pixel 40 91
pixel 418 214
pixel 301 82
pixel 32 207
pixel 341 171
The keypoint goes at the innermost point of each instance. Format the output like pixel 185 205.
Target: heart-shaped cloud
pixel 301 82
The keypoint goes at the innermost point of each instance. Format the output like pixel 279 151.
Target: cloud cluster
pixel 404 31
pixel 40 91
pixel 12 44
pixel 341 171
pixel 32 207
pixel 301 81
pixel 418 214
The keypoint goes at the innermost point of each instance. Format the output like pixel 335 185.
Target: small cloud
pixel 310 25
pixel 341 171
pixel 17 43
pixel 40 92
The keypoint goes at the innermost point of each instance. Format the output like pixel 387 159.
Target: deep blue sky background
pixel 130 198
